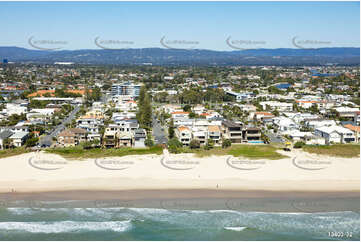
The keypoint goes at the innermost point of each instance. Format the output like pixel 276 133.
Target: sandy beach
pixel 301 172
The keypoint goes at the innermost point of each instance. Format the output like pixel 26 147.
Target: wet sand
pixel 261 201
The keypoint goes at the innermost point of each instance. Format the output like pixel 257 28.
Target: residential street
pixel 47 140
pixel 159 134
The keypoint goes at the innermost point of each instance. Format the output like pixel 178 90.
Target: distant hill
pixel 159 56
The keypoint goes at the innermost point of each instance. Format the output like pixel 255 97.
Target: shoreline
pixel 242 201
pixel 149 184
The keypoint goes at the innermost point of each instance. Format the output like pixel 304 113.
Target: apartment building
pixel 126 89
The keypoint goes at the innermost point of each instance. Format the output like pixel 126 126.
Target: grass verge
pixel 247 151
pixel 13 152
pixel 78 152
pixel 339 150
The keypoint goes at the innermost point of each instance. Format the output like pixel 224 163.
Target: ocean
pixel 125 223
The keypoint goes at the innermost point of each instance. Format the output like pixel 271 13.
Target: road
pixel 274 138
pixel 47 140
pixel 159 135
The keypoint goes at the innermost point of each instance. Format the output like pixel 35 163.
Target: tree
pixel 142 92
pixel 276 113
pixel 149 142
pixel 146 116
pixel 193 115
pixel 171 129
pixel 96 94
pixel 314 109
pixel 194 144
pixel 299 144
pixel 226 143
pixel 7 143
pixel 31 141
pixel 209 145
pixel 187 108
pixel 174 145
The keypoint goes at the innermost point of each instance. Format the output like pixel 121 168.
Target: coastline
pixel 242 201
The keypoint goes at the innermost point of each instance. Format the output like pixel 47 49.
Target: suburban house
pixel 284 123
pixel 274 105
pixel 124 125
pixel 264 117
pixel 14 108
pixel 313 124
pixel 240 96
pixel 90 123
pixel 306 103
pixel 179 115
pixel 347 112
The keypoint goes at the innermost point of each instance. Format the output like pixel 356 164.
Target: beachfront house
pixel 140 136
pixel 72 137
pixel 355 129
pixel 232 131
pixel 183 134
pixel 3 136
pixel 200 134
pixel 252 135
pixel 214 133
pixel 18 139
pixel 336 134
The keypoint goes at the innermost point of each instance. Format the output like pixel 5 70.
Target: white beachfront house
pixel 336 134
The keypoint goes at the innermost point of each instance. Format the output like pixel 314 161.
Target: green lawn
pixel 78 152
pixel 339 150
pixel 13 152
pixel 247 151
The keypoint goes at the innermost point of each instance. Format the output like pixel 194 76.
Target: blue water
pixel 162 224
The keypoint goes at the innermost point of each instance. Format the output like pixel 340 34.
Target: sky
pixel 201 25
